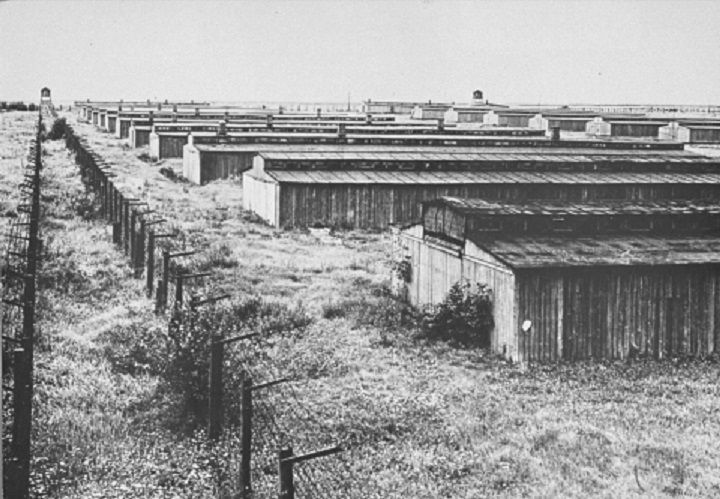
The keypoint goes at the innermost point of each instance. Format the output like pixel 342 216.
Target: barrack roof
pixel 538 252
pixel 472 206
pixel 481 156
pixel 478 177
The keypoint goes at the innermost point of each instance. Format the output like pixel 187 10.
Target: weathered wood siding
pixel 567 125
pixel 601 312
pixel 261 196
pixel 704 136
pixel 171 146
pixel 436 266
pixel 634 130
pixel 191 163
pixel 217 165
pixel 379 205
pixel 138 138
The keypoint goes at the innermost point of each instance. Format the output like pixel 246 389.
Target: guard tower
pixel 477 97
pixel 45 95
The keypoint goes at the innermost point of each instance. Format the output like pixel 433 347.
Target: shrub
pixel 168 172
pixel 58 129
pixel 185 377
pixel 464 317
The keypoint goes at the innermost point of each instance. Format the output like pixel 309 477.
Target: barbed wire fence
pixel 17 320
pixel 253 412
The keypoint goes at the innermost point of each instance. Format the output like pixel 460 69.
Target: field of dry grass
pixel 424 420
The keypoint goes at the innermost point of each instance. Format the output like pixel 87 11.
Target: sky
pixel 540 51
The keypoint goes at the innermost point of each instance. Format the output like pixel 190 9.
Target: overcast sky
pixel 515 51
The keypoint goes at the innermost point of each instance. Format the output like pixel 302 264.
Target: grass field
pixel 424 420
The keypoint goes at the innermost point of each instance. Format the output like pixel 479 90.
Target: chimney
pixel 280 110
pixel 174 117
pixel 441 124
pixel 227 116
pixel 197 111
pixel 174 108
pixel 368 119
pixel 269 122
pixel 342 134
pixel 222 131
pixel 319 112
pixel 151 117
pixel 555 134
pixel 120 106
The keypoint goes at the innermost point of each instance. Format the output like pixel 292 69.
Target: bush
pixel 185 377
pixel 465 317
pixel 58 129
pixel 168 172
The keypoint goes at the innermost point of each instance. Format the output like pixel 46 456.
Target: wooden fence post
pixel 246 437
pixel 150 263
pixel 116 233
pixel 139 260
pixel 22 399
pixel 215 412
pixel 285 474
pixel 163 283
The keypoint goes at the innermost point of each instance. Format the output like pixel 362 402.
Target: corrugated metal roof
pixel 593 251
pixel 669 207
pixel 470 177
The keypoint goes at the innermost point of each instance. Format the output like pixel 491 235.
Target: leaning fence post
pixel 216 387
pixel 285 474
pixel 246 437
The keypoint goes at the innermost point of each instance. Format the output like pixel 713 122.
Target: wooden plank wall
pixel 171 146
pixel 704 136
pixel 379 205
pixel 634 130
pixel 260 197
pixel 218 165
pixel 436 267
pixel 663 311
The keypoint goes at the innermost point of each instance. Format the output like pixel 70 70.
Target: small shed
pixel 577 281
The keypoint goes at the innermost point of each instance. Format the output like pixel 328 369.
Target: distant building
pixel 45 94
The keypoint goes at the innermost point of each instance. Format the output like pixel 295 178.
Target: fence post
pixel 150 263
pixel 139 261
pixel 163 283
pixel 126 226
pixel 246 437
pixel 215 412
pixel 22 398
pixel 132 235
pixel 116 233
pixel 285 474
pixel 178 291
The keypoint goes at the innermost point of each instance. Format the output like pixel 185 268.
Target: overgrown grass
pixel 420 420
